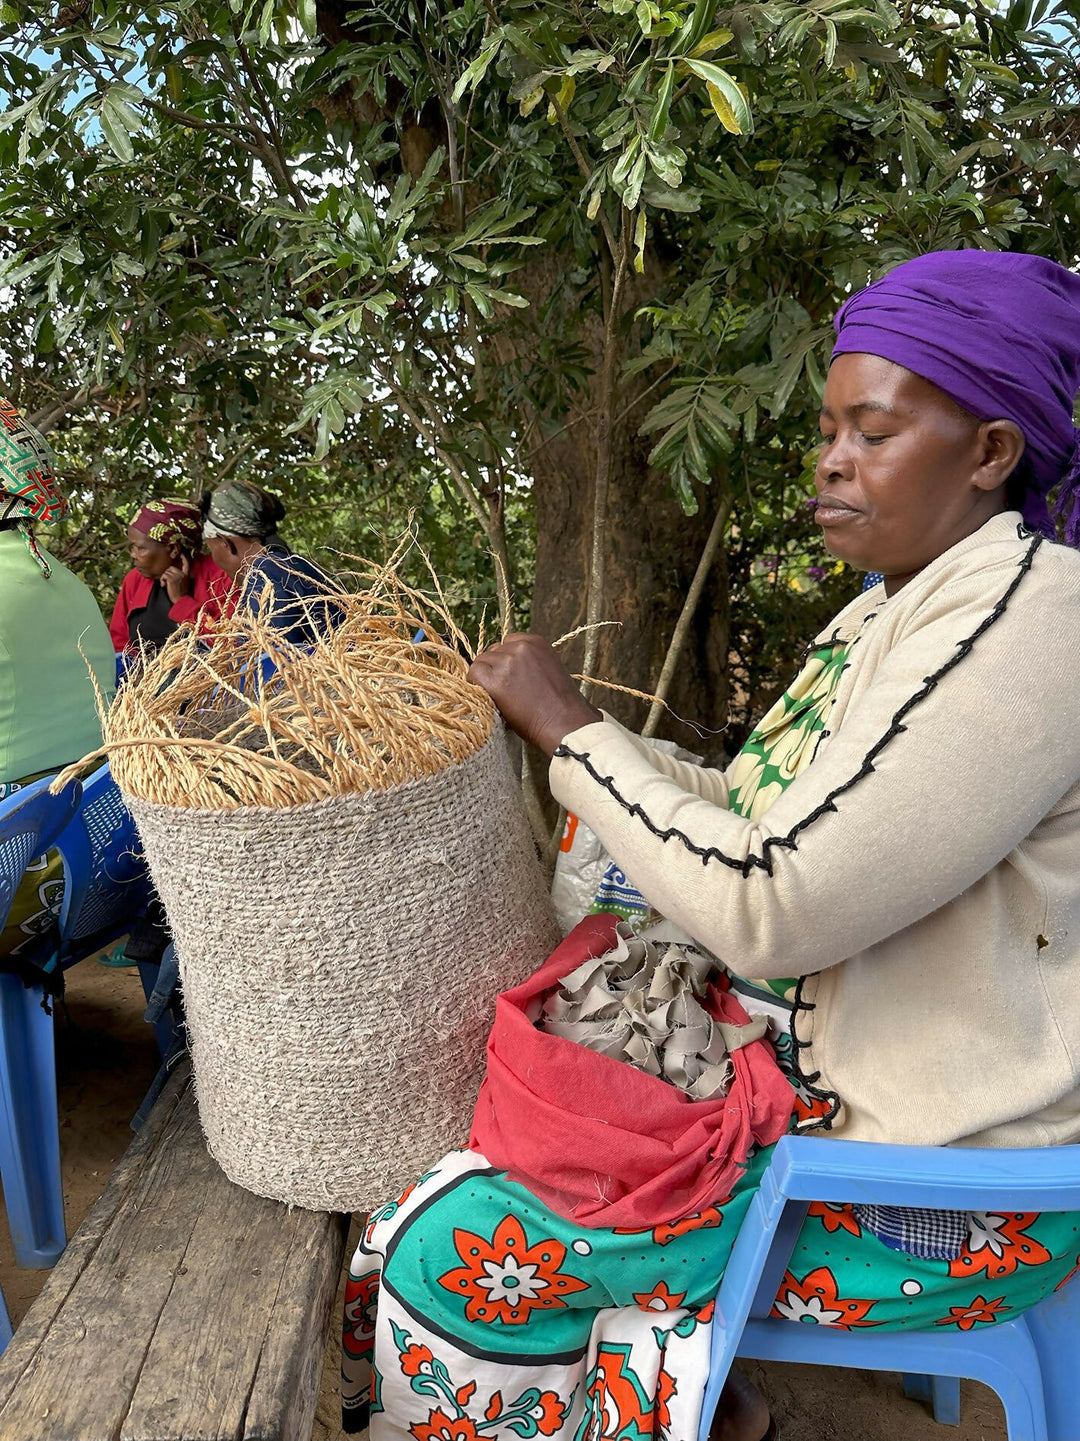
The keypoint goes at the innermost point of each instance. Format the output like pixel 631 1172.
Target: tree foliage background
pixel 556 279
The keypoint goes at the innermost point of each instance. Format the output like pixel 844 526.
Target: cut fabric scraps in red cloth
pixel 601 1142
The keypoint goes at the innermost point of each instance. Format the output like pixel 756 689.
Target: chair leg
pixel 1003 1357
pixel 5 1325
pixel 916 1387
pixel 762 1247
pixel 29 1126
pixel 1054 1325
pixel 941 1392
pixel 159 1016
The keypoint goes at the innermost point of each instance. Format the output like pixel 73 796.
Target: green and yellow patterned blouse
pixel 780 747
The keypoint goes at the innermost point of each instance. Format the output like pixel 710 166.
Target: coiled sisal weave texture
pixel 340 961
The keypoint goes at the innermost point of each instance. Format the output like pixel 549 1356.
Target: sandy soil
pixel 106 1060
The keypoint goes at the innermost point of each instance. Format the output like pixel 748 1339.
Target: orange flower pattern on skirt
pixel 998 1244
pixel 659 1298
pixel 980 1310
pixel 816 1298
pixel 835 1218
pixel 505 1278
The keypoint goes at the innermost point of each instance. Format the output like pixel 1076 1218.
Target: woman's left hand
pixel 533 689
pixel 177 579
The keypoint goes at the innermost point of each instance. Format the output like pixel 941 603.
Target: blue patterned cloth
pixel 931 1235
pixel 617 895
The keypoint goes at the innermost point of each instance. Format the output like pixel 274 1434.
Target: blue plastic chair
pixel 1030 1361
pixel 31 820
pixel 106 882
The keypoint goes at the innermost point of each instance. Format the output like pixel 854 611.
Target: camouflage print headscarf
pixel 237 507
pixel 28 490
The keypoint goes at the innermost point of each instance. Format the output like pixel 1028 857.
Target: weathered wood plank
pixel 287 1381
pixel 244 1258
pixel 80 1379
pixel 185 1309
pixel 83 1244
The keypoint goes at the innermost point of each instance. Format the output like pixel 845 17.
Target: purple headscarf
pixel 998 333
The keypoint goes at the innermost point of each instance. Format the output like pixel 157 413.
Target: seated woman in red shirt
pixel 171 581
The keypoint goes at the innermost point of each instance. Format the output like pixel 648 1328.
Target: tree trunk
pixel 652 551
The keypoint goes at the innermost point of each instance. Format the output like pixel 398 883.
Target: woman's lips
pixel 833 512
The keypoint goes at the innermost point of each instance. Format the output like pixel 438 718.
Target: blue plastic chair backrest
pixel 31 820
pixel 105 874
pixel 958 1178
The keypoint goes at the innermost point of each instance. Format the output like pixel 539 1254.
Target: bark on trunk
pixel 652 550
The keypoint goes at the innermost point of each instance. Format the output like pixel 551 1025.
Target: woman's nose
pixel 834 461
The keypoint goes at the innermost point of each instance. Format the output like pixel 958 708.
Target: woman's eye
pixel 874 439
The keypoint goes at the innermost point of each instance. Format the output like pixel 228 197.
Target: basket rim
pixel 495 734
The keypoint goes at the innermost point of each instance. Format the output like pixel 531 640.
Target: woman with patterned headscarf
pixel 291 593
pixel 51 637
pixel 171 582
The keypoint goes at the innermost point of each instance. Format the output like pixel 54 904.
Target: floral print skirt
pixel 474 1313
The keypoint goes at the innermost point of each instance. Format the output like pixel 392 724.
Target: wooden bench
pixel 184 1308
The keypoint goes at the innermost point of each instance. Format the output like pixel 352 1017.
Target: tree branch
pixel 196 122
pixel 604 427
pixel 486 516
pixel 48 416
pixel 277 149
pixel 686 615
pixel 583 166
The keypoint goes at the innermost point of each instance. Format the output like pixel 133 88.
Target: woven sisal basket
pixel 340 961
pixel 341 846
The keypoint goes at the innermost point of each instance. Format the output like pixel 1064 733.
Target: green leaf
pixel 625 162
pixel 658 193
pixel 632 192
pixel 734 113
pixel 659 122
pixel 507 297
pixel 476 71
pixel 715 40
pixel 116 129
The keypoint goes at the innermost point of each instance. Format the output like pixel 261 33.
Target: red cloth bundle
pixel 601 1142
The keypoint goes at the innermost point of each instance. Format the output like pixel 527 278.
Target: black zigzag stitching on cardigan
pixel 764 862
pixel 789 841
pixel 803 1078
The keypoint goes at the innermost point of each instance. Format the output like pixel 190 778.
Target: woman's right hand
pixel 533 689
pixel 177 579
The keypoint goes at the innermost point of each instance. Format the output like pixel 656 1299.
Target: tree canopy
pixel 555 278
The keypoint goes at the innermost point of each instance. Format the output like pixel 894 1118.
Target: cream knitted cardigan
pixel 922 874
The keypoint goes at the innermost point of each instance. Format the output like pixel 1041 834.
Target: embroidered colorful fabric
pixel 30 494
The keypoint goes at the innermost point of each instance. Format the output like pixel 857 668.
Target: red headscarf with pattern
pixel 171 522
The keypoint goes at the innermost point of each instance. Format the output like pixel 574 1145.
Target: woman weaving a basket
pixel 902 832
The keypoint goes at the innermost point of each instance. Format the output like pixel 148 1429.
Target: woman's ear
pixel 1002 444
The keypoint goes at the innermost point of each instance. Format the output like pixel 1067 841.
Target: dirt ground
pixel 106 1060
